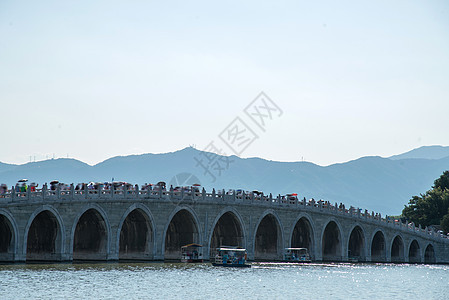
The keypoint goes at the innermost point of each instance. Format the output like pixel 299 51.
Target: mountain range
pixel 384 185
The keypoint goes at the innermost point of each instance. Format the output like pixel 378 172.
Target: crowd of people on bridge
pixel 22 187
pixel 119 186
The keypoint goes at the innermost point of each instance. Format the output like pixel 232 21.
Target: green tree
pixel 443 181
pixel 445 223
pixel 431 208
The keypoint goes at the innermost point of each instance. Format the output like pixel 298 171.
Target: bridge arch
pixel 332 241
pixel 136 233
pixel 90 238
pixel 183 228
pixel 429 254
pixel 397 249
pixel 268 237
pixel 44 235
pixel 414 252
pixel 378 246
pixel 228 229
pixel 8 236
pixel 303 233
pixel 357 243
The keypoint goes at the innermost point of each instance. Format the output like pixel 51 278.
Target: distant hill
pixel 63 169
pixel 375 183
pixel 426 152
pixel 5 167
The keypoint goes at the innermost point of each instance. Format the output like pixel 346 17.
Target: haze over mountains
pixel 384 185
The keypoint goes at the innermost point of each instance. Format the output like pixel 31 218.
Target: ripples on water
pixel 202 281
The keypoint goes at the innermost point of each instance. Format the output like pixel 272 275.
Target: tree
pixel 431 208
pixel 443 181
pixel 445 223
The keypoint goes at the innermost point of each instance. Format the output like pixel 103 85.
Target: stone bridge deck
pixel 65 225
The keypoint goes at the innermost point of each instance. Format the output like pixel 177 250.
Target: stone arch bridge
pixel 135 224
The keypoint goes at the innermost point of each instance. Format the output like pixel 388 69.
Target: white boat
pixel 231 257
pixel 296 255
pixel 192 253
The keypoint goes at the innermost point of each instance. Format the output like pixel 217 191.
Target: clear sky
pixel 96 79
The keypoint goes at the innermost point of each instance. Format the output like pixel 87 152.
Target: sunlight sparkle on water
pixel 202 281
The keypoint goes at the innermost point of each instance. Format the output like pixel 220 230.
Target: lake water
pixel 202 281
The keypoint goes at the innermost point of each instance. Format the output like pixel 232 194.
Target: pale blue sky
pixel 96 80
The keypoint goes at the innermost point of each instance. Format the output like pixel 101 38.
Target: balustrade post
pixel 112 190
pixel 86 191
pixel 28 194
pixel 58 191
pixel 44 191
pixel 13 193
pixel 72 191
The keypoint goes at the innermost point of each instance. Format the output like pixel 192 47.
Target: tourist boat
pixel 297 255
pixel 192 253
pixel 231 257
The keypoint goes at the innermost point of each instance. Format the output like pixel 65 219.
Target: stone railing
pixel 71 193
